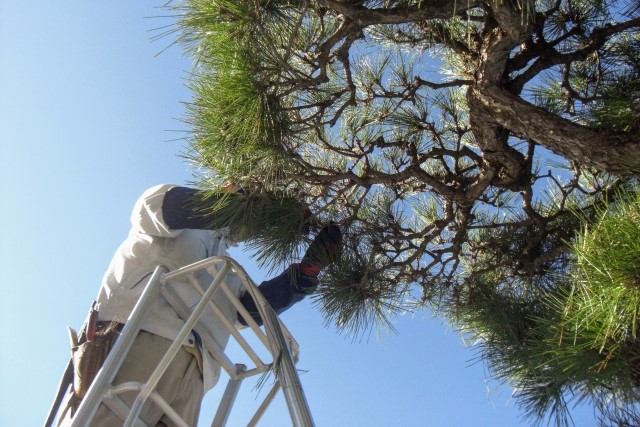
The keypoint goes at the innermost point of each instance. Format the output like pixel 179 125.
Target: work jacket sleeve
pixel 282 292
pixel 179 212
pixel 166 209
pixel 147 216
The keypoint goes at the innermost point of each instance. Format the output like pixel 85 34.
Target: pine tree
pixel 575 339
pixel 460 145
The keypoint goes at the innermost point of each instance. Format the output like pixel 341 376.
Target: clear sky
pixel 89 118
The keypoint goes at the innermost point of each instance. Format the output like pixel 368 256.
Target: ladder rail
pixel 102 381
pixel 286 372
pixel 229 396
pixel 285 369
pixel 183 311
pixel 276 338
pixel 175 346
pixel 229 326
pixel 264 405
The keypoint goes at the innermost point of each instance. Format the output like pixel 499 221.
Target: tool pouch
pixel 88 356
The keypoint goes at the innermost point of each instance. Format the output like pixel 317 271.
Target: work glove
pixel 298 280
pixel 324 250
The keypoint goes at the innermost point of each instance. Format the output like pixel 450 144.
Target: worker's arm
pixel 165 210
pixel 298 280
pixel 178 209
pixel 282 291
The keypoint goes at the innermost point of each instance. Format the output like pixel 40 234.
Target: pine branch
pixel 273 224
pixel 355 296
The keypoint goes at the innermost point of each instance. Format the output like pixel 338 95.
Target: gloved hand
pixel 298 280
pixel 324 250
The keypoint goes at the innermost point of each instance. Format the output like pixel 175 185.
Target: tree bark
pixel 442 9
pixel 603 149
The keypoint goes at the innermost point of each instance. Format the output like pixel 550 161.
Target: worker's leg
pixel 181 385
pixel 187 401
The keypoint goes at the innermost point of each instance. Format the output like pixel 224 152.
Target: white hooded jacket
pixel 151 243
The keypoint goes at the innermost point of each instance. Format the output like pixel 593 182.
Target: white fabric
pixel 151 243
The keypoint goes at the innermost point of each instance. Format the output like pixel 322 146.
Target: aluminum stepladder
pixel 281 346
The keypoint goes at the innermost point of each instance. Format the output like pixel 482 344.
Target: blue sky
pixel 89 118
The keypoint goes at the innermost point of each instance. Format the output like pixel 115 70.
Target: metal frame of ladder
pixel 276 339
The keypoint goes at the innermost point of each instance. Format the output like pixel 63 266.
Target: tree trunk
pixel 606 150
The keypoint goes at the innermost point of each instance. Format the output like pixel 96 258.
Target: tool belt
pixel 90 348
pixel 89 353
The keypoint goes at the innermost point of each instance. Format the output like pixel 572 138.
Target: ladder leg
pixel 103 379
pixel 286 372
pixel 265 404
pixel 229 396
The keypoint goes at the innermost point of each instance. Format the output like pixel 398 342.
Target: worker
pixel 167 231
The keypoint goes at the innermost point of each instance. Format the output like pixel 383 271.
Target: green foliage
pixel 594 328
pixel 507 337
pixel 271 223
pixel 571 339
pixel 602 305
pixel 621 109
pixel 410 124
pixel 601 89
pixel 238 127
pixel 355 294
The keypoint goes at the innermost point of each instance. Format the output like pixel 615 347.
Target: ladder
pixel 277 340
